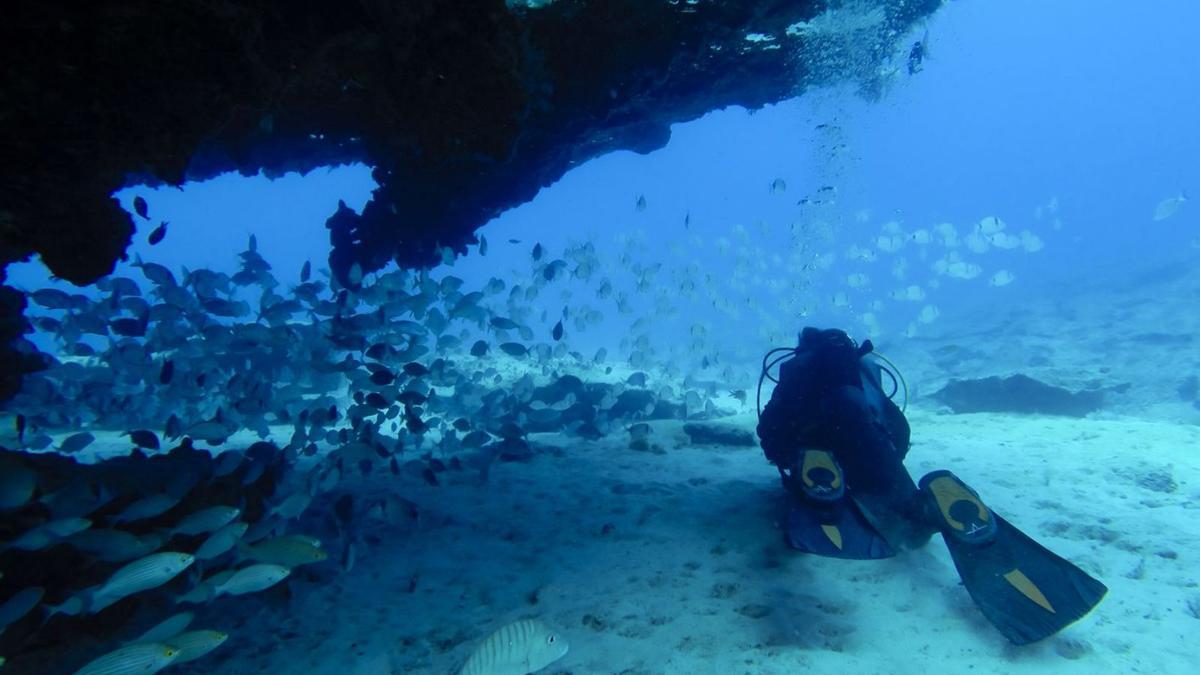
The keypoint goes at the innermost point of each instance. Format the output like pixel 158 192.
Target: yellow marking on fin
pixel 814 459
pixel 947 491
pixel 1027 588
pixel 834 535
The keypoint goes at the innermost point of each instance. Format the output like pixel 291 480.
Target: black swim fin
pixel 1024 589
pixel 823 520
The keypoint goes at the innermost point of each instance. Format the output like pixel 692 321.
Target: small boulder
pixel 1019 394
pixel 710 433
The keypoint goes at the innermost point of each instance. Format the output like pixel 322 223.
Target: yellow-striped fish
pixel 289 551
pixel 150 572
pixel 143 659
pixel 521 647
pixel 196 643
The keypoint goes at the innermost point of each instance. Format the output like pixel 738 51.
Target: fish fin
pixel 95 602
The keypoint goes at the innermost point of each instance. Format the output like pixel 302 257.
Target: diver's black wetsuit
pixel 829 397
pixel 839 443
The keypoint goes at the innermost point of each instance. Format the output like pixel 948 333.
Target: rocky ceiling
pixel 463 108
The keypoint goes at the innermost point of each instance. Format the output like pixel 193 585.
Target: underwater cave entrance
pixel 206 224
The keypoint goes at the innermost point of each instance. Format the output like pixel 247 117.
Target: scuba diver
pixel 916 57
pixel 839 443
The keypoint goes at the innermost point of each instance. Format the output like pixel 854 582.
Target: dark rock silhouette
pixel 1019 394
pixel 464 109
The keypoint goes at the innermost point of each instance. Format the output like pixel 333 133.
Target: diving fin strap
pixel 820 476
pixel 962 514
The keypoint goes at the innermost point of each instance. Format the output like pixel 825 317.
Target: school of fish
pixel 408 373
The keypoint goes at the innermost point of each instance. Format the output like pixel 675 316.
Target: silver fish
pixel 211 432
pixel 221 541
pixel 196 643
pixel 50 533
pixel 202 592
pixel 1168 207
pixel 19 605
pixel 72 606
pixel 251 580
pixel 293 506
pixel 147 507
pixel 521 647
pixel 77 499
pixel 146 544
pixel 107 544
pixel 16 486
pixel 206 520
pixel 262 529
pixel 143 659
pixel 140 575
pixel 168 628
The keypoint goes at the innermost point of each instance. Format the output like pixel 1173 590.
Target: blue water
pixel 1069 121
pixel 1020 103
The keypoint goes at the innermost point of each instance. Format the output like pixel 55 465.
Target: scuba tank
pixel 829 396
pixel 820 369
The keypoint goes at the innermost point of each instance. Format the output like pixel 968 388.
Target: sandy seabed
pixel 670 561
